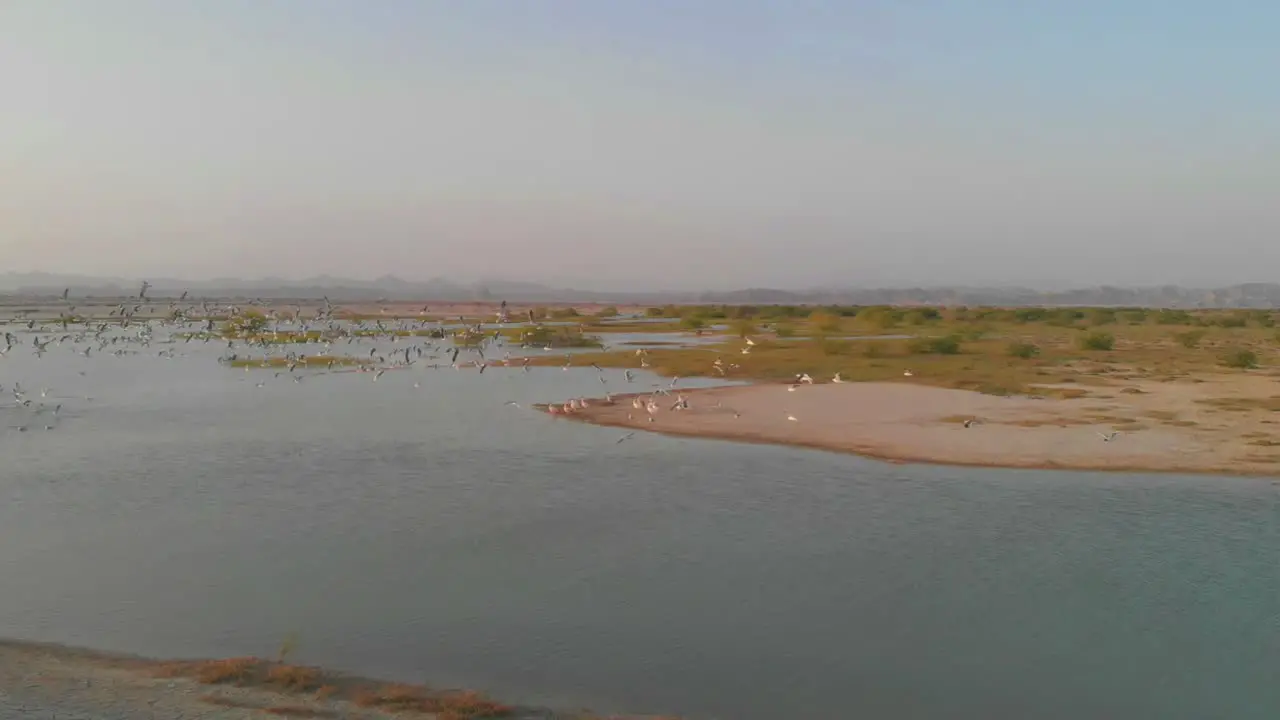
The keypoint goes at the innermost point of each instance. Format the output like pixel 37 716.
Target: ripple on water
pixel 435 532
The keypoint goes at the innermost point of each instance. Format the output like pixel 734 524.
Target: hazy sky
pixel 634 143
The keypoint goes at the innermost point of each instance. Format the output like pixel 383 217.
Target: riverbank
pixel 43 680
pixel 1223 424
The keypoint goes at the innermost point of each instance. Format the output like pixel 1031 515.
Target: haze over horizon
pixel 663 144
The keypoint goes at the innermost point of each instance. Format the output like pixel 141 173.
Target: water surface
pixel 436 533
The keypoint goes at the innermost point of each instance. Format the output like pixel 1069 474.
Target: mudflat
pixel 1223 424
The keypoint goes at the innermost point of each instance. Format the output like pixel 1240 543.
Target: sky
pixel 644 144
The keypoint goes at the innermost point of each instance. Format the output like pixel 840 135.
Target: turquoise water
pixel 436 533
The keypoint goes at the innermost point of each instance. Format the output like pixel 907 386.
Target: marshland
pixel 409 517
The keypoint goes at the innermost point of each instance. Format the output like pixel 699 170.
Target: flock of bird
pixel 298 344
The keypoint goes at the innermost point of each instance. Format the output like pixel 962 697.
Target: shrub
pixel 827 346
pixel 1025 351
pixel 1174 317
pixel 824 321
pixel 692 322
pixel 977 332
pixel 945 345
pixel 743 328
pixel 783 331
pixel 1190 338
pixel 1242 359
pixel 607 312
pixel 1098 341
pixel 881 316
pixel 1102 316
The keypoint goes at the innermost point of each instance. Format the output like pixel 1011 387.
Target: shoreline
pixel 55 680
pixel 1169 428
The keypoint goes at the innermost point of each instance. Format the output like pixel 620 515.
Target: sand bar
pixel 1219 425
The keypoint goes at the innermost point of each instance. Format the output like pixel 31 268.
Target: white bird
pixel 906 373
pixel 1108 437
pixel 792 418
pixel 969 422
pixel 804 378
pixel 837 378
pixel 625 437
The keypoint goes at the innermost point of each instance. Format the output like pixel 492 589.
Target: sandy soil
pixel 1219 424
pixel 53 681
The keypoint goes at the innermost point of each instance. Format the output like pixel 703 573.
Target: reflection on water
pixel 434 532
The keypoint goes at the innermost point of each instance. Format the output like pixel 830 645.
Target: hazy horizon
pixel 662 144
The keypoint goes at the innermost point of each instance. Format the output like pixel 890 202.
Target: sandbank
pixel 1216 424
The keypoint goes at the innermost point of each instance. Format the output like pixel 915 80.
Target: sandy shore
pixel 55 681
pixel 1220 425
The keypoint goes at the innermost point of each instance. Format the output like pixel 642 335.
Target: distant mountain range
pixel 28 285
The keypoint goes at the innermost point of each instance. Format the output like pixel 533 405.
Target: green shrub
pixel 1242 359
pixel 945 345
pixel 1098 341
pixel 1190 338
pixel 1174 317
pixel 1102 316
pixel 692 322
pixel 1025 351
pixel 744 328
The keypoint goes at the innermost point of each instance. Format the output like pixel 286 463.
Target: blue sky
pixel 659 144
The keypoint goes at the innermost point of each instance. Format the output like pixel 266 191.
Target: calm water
pixel 434 533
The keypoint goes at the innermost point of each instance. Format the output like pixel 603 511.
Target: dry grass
pixel 291 711
pixel 294 678
pixel 463 705
pixel 250 672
